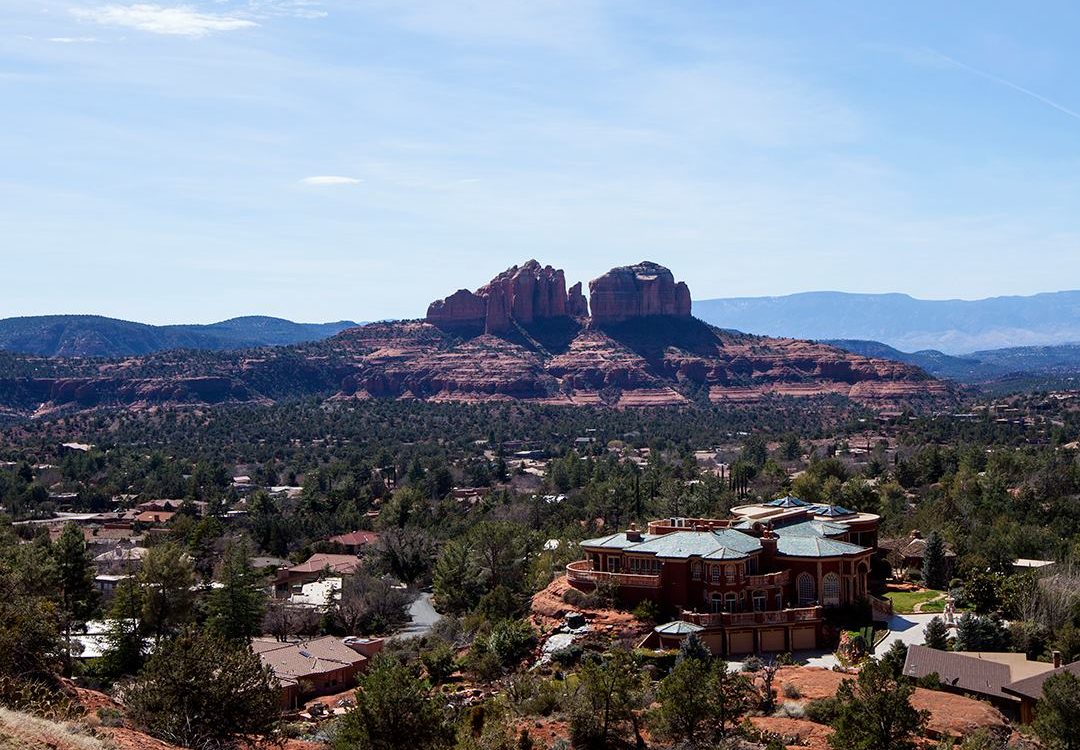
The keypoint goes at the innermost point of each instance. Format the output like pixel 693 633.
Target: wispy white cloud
pixel 74 40
pixel 1008 84
pixel 176 20
pixel 329 179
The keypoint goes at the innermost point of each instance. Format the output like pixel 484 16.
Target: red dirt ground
pixel 548 610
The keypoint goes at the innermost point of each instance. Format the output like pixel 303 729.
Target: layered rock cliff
pixel 638 291
pixel 522 336
pixel 522 295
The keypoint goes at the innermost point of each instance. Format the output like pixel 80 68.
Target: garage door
pixel 803 638
pixel 772 640
pixel 741 643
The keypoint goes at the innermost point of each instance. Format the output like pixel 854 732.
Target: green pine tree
pixel 936 634
pixel 77 597
pixel 874 712
pixel 236 609
pixel 933 570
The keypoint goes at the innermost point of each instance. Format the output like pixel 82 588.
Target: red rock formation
pixel 522 294
pixel 462 308
pixel 643 290
pixel 576 304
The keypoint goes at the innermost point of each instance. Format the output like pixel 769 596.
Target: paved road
pixel 907 629
pixel 423 616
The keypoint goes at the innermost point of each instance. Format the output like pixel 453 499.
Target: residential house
pixel 354 541
pixel 310 668
pixel 316 567
pixel 758 582
pixel 985 675
pixel 123 559
pixel 1029 689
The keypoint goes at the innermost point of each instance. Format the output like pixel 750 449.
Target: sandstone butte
pixel 522 336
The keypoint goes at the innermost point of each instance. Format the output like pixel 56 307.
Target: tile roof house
pixel 122 559
pixel 757 582
pixel 1029 689
pixel 354 541
pixel 314 568
pixel 988 675
pixel 310 668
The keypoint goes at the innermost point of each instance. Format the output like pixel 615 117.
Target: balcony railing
pixel 581 571
pixel 768 579
pixel 766 617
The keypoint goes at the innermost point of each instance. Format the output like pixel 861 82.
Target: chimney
pixel 768 542
pixel 1056 655
pixel 632 534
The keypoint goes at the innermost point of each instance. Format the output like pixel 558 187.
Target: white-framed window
pixel 731 602
pixel 806 588
pixel 729 573
pixel 695 570
pixel 612 564
pixel 760 601
pixel 830 590
pixel 717 603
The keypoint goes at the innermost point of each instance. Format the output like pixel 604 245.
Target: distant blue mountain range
pixel 903 322
pixel 97 336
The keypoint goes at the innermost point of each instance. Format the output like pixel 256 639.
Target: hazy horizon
pixel 323 160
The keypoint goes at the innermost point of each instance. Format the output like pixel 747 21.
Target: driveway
pixel 423 616
pixel 908 629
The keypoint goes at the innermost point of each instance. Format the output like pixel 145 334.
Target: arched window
pixel 731 602
pixel 695 570
pixel 830 590
pixel 717 603
pixel 759 601
pixel 807 589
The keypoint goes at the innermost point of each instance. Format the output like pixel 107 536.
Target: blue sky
pixel 326 159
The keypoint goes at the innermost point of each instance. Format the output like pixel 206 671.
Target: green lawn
pixel 904 601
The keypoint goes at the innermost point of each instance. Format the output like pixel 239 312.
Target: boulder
pixel 642 290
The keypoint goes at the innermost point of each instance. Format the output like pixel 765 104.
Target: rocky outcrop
pixel 462 308
pixel 576 304
pixel 520 294
pixel 520 337
pixel 643 290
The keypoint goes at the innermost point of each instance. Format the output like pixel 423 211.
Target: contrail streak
pixel 1003 82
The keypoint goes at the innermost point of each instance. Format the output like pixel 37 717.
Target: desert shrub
pixel 791 710
pixel 753 664
pixel 822 710
pixel 531 695
pixel 573 597
pixel 110 717
pixel 567 656
pixel 511 641
pixel 439 661
pixel 648 611
pixel 791 691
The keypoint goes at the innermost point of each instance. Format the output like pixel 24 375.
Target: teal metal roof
pixel 831 511
pixel 788 501
pixel 616 541
pixel 721 544
pixel 811 528
pixel 678 627
pixel 795 545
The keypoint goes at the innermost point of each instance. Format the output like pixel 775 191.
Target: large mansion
pixel 756 582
